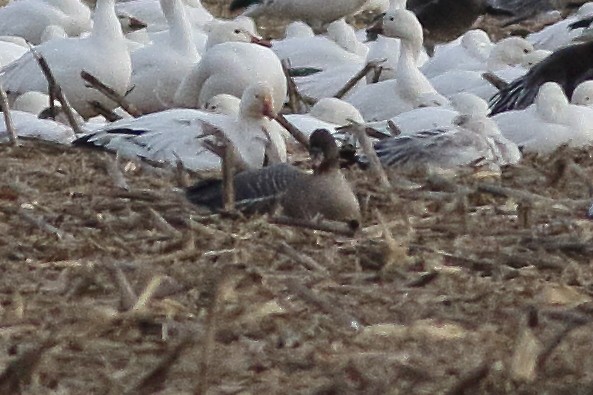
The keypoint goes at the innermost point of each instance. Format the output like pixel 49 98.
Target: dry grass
pixel 111 283
pixel 115 290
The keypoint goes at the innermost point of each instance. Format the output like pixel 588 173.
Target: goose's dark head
pixel 324 151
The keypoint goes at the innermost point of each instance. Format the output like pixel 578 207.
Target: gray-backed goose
pixel 301 195
pixel 472 139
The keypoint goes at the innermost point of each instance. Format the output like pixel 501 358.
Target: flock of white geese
pixel 190 73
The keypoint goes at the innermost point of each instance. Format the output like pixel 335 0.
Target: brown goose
pixel 324 193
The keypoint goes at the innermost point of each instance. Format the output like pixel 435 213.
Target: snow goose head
pixel 533 58
pixel 223 104
pixel 232 31
pixel 129 23
pixel 509 52
pixel 403 24
pixel 583 94
pixel 257 101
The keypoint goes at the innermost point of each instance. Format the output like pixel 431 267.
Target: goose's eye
pixel 392 19
pixel 525 50
pixel 237 31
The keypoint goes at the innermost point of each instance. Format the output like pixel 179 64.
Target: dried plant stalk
pixel 55 89
pixel 7 117
pixel 111 94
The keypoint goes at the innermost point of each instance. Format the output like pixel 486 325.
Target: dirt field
pixel 450 285
pixel 111 283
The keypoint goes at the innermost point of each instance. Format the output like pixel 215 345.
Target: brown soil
pixel 111 283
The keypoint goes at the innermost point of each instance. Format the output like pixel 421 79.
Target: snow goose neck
pixel 567 66
pixel 176 135
pixel 229 68
pixel 157 69
pixel 53 32
pixel 472 139
pixel 29 18
pixel 301 195
pixel 149 11
pixel 68 57
pixel 315 13
pixel 411 88
pixel 343 34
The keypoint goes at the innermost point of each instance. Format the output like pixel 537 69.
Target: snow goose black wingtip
pixel 567 66
pixel 242 4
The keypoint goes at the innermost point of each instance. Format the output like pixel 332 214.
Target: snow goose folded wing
pixel 561 33
pixel 326 192
pixel 68 57
pixel 567 66
pixel 229 68
pixel 411 89
pixel 9 52
pixel 28 125
pixel 157 69
pixel 174 136
pixel 468 52
pixel 505 61
pixel 548 123
pixel 29 18
pixel 314 12
pixel 340 46
pixel 473 139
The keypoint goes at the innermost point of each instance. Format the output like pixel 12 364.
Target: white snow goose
pixel 548 123
pixel 29 18
pixel 103 53
pixel 230 67
pixel 157 69
pixel 472 139
pixel 177 135
pixel 411 89
pixel 568 67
